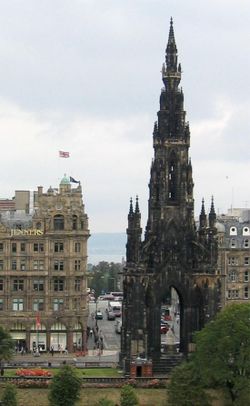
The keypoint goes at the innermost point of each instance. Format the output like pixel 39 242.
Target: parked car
pixel 99 315
pixel 110 315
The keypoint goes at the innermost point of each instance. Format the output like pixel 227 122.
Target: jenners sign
pixel 29 231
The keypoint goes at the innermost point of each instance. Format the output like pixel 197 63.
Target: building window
pixel 18 284
pixel 58 247
pixel 58 222
pixel 1 284
pixel 76 303
pixel 58 285
pixel 232 261
pixel 77 265
pixel 246 276
pixel 246 292
pixel 1 246
pixel 233 294
pixel 23 264
pixel 1 304
pixel 246 261
pixel 57 304
pixel 246 243
pixel 38 305
pixel 17 305
pixel 233 243
pixel 246 231
pixel 23 247
pixel 1 264
pixel 38 264
pixel 38 285
pixel 58 265
pixel 77 285
pixel 232 276
pixel 13 265
pixel 38 247
pixel 74 222
pixel 77 246
pixel 13 247
pixel 233 230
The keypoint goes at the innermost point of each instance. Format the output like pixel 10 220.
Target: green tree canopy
pixel 222 356
pixel 6 345
pixel 65 387
pixel 185 389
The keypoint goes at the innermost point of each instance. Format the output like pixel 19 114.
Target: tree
pixel 6 345
pixel 185 389
pixel 222 356
pixel 65 387
pixel 128 396
pixel 9 396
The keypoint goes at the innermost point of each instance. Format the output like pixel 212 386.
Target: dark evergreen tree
pixel 6 345
pixel 9 396
pixel 65 387
pixel 128 396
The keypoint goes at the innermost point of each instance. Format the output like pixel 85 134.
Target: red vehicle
pixel 164 328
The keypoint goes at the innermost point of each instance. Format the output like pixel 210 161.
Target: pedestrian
pixel 91 332
pixel 52 350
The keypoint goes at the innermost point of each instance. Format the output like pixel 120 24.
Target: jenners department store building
pixel 43 261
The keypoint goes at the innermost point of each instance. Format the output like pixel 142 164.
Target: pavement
pixel 93 356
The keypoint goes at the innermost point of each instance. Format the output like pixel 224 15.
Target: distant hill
pixel 110 247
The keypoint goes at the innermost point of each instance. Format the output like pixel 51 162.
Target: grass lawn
pixel 147 397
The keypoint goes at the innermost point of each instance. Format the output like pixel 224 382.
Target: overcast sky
pixel 84 76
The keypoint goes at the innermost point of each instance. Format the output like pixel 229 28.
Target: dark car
pixel 99 315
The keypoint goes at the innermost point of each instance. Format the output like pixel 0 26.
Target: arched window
pixel 246 231
pixel 74 222
pixel 246 243
pixel 58 222
pixel 172 178
pixel 233 230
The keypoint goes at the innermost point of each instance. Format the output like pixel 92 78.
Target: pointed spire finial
pixel 203 207
pixel 131 211
pixel 137 210
pixel 212 211
pixel 171 50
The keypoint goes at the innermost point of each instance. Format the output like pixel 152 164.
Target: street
pixel 106 328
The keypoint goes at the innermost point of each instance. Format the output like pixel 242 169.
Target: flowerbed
pixel 33 372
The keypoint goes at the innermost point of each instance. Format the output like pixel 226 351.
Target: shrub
pixel 65 387
pixel 9 396
pixel 128 396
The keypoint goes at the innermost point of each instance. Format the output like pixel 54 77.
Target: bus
pixel 116 308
